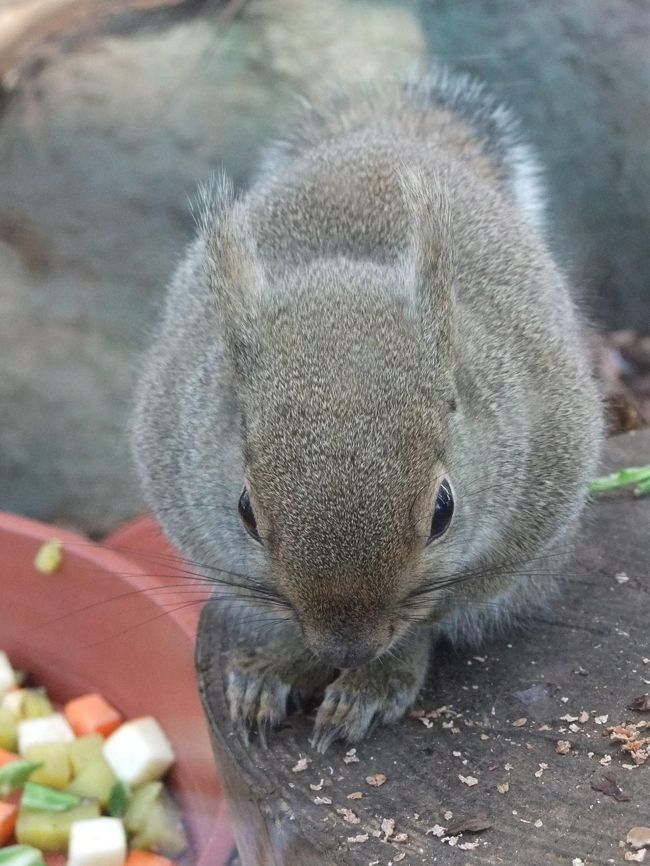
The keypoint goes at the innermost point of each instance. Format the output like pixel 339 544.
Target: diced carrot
pixel 8 816
pixel 92 714
pixel 6 757
pixel 146 858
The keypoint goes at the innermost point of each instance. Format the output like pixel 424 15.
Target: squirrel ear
pixel 431 257
pixel 234 273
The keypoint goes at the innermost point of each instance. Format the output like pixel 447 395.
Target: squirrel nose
pixel 347 654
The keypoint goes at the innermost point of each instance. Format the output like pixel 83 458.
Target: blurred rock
pixel 578 75
pixel 100 147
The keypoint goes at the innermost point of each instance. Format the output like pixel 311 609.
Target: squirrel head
pixel 343 374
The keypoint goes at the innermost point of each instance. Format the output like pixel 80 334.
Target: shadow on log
pixel 564 677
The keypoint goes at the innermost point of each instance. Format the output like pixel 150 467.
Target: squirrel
pixel 368 410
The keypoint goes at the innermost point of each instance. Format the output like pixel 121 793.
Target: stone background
pixel 108 130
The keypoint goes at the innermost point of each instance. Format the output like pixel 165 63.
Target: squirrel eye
pixel 443 512
pixel 248 515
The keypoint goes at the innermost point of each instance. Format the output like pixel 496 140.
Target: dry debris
pixel 638 837
pixel 635 856
pixel 376 780
pixel 608 785
pixel 362 837
pixel 519 723
pixel 470 781
pixel 349 816
pixel 302 765
pixel 563 747
pixel 388 828
pixel 477 824
pixel 503 788
pixel 351 757
pixel 355 795
pixel 640 704
pixel 322 801
pixel 632 742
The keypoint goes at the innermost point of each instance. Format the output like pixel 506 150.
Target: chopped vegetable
pixel 49 556
pixel 91 714
pixel 7 757
pixel 7 674
pixel 118 801
pixel 100 842
pixel 50 831
pixel 84 751
pixel 44 799
pixel 8 730
pixel 49 729
pixel 55 770
pixel 94 782
pixel 638 476
pixel 8 815
pixel 146 858
pixel 154 822
pixel 20 855
pixel 35 704
pixel 13 701
pixel 139 751
pixel 15 774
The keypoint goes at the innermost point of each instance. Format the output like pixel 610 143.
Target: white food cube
pixel 97 842
pixel 7 674
pixel 48 729
pixel 13 701
pixel 139 752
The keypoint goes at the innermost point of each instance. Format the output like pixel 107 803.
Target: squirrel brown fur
pixel 373 352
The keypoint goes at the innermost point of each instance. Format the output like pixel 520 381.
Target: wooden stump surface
pixel 586 655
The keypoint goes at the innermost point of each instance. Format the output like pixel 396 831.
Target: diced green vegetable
pixel 36 704
pixel 95 782
pixel 639 476
pixel 15 774
pixel 56 770
pixel 153 821
pixel 84 751
pixel 44 799
pixel 118 801
pixel 21 855
pixel 8 730
pixel 50 831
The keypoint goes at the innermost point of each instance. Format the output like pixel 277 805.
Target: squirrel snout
pixel 345 650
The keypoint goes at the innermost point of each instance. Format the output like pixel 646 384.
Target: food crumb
pixel 388 828
pixel 322 801
pixel 349 816
pixel 605 760
pixel 563 747
pixel 577 862
pixel 448 815
pixel 351 757
pixel 519 723
pixel 302 764
pixel 621 577
pixel 540 772
pixel 538 823
pixel 635 856
pixel 601 720
pixel 436 830
pixel 504 788
pixel 470 781
pixel 376 780
pixel 399 837
pixel 362 837
pixel 355 795
pixel 583 717
pixel 318 787
pixel 469 846
pixel 49 556
pixel 638 837
pixel 399 857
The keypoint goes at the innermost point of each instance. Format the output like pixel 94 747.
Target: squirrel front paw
pixel 377 694
pixel 261 680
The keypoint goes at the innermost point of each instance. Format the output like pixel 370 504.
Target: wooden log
pixel 508 704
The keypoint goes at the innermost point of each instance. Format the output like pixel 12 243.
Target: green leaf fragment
pixel 43 799
pixel 118 802
pixel 21 855
pixel 15 774
pixel 634 475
